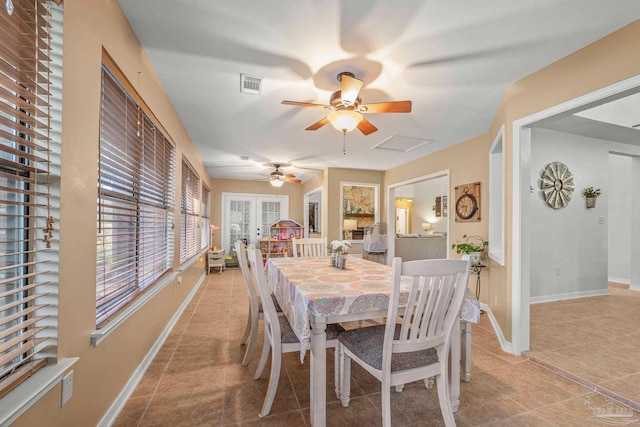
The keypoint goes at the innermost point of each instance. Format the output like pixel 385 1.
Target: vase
pixel 338 261
pixel 591 202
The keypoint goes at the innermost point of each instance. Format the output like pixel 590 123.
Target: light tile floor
pixel 592 340
pixel 197 380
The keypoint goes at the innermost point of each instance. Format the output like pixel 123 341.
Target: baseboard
pixel 619 280
pixel 571 295
pixel 504 344
pixel 634 288
pixel 116 407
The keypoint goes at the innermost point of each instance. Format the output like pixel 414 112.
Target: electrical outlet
pixel 67 387
pixel 557 271
pixel 600 220
pixel 178 280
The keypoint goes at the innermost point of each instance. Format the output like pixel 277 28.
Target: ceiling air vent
pixel 401 143
pixel 250 84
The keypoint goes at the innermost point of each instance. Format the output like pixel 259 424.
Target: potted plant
pixel 591 194
pixel 475 246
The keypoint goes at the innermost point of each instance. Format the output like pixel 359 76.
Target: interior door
pixel 249 217
pixel 402 218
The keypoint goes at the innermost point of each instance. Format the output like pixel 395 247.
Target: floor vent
pixel 401 143
pixel 250 84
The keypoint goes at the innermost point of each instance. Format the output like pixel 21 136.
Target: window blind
pixel 205 215
pixel 27 335
pixel 190 210
pixel 135 200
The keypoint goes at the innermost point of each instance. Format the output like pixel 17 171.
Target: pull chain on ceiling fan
pixel 347 108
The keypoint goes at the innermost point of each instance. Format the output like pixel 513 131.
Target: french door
pixel 248 216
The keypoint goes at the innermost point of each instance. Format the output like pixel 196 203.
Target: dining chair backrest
pixel 310 247
pixel 436 292
pixel 241 252
pixel 268 307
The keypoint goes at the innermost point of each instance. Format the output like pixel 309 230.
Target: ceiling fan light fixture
pixel 344 120
pixel 276 182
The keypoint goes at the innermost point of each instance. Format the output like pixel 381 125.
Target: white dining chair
pixel 256 309
pixel 310 247
pixel 278 335
pixel 418 346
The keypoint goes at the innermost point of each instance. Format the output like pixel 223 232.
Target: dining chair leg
pixel 428 383
pixel 385 396
pixel 263 358
pixel 345 378
pixel 253 338
pixel 444 399
pixel 247 331
pixel 274 377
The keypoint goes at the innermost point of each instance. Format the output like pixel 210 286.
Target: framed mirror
pixel 360 209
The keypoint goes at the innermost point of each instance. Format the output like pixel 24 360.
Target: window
pixel 190 209
pixel 135 197
pixel 205 209
pixel 29 154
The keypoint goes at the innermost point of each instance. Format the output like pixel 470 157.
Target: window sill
pixel 100 334
pixel 18 401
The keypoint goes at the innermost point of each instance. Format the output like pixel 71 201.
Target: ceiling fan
pixel 277 178
pixel 347 107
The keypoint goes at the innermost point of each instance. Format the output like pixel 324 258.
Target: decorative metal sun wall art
pixel 557 185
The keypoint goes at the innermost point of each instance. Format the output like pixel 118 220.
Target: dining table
pixel 313 294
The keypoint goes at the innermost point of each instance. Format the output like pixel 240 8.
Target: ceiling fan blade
pixel 635 126
pixel 306 104
pixel 293 180
pixel 317 125
pixel 386 107
pixel 350 89
pixel 366 127
pixel 289 176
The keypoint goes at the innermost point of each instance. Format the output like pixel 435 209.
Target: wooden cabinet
pixel 279 242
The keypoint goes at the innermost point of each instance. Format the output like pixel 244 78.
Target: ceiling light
pixel 276 182
pixel 344 120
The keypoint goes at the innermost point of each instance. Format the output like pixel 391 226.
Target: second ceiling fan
pixel 347 107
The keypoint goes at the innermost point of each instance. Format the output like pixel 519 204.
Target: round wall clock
pixel 557 185
pixel 466 205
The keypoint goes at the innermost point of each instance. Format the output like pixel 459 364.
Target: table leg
pixel 466 350
pixel 454 368
pixel 318 391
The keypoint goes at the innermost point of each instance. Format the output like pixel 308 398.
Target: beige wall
pixel 607 61
pixel 218 186
pixel 101 372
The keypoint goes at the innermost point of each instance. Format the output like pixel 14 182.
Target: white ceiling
pixel 453 59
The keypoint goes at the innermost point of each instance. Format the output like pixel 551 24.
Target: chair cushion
pixel 288 336
pixel 275 302
pixel 366 343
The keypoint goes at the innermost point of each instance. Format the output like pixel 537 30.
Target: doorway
pixel 313 208
pixel 248 216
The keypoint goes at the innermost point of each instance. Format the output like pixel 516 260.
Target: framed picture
pixel 438 206
pixel 445 207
